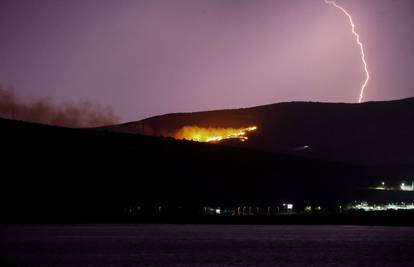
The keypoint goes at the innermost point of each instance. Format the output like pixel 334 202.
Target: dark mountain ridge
pixel 367 133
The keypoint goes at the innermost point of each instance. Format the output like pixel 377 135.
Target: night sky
pixel 145 58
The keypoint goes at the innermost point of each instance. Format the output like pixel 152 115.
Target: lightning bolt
pixel 361 46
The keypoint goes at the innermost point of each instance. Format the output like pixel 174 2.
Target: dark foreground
pixel 205 245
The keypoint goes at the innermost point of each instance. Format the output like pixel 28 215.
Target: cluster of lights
pixel 288 206
pixel 401 187
pixel 390 206
pixel 405 187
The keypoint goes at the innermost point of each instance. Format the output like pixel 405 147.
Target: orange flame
pixel 199 134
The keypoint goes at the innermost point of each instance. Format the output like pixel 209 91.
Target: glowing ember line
pixel 361 46
pixel 201 134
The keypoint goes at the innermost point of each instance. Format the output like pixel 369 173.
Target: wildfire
pixel 199 134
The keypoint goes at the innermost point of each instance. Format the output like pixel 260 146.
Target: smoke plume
pixel 83 114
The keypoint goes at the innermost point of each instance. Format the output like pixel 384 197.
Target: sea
pixel 205 245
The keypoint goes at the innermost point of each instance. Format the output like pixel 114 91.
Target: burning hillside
pixel 329 131
pixel 200 134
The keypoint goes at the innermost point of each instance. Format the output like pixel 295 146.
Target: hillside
pixel 367 133
pixel 51 173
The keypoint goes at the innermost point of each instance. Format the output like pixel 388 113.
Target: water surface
pixel 205 245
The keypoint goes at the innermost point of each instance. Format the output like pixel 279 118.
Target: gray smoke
pixel 83 114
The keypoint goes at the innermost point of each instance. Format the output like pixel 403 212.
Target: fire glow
pixel 200 134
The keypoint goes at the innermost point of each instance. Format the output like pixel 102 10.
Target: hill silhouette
pixel 55 174
pixel 367 133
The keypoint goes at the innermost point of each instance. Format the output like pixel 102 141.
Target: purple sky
pixel 145 58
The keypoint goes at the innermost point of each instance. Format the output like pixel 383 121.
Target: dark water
pixel 206 245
